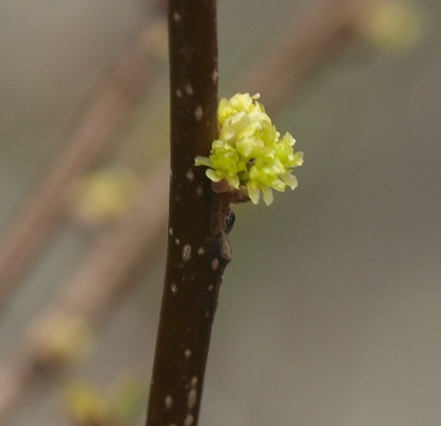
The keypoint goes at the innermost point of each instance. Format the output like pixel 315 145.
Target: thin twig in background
pixel 120 250
pixel 90 292
pixel 307 40
pixel 90 136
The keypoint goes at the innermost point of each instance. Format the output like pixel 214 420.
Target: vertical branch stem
pixel 199 220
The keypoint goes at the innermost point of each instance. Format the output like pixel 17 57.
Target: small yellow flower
pixel 87 405
pixel 250 152
pixel 105 195
pixel 59 339
pixel 394 25
pixel 119 405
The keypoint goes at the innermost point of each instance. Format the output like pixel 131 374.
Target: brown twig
pixel 198 248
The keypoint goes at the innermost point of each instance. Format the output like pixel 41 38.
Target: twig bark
pixel 198 247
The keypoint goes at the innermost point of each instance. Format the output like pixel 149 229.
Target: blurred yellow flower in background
pixel 394 25
pixel 105 195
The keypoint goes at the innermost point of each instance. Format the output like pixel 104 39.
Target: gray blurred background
pixel 330 313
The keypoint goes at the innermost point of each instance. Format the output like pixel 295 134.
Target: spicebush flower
pixel 250 152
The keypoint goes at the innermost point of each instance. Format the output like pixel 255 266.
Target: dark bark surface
pixel 199 220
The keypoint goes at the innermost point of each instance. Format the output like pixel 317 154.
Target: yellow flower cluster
pixel 250 151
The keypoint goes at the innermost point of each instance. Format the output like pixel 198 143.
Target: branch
pixel 198 247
